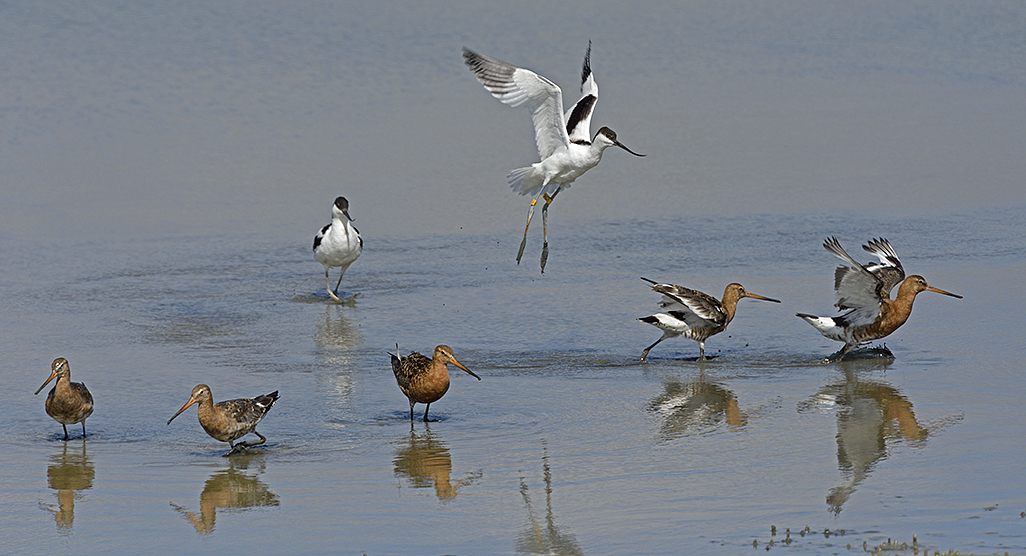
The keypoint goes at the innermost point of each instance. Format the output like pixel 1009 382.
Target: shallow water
pixel 167 167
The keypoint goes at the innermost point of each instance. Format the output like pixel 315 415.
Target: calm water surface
pixel 165 169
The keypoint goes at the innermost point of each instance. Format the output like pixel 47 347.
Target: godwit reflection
pixel 542 535
pixel 69 471
pixel 695 406
pixel 426 462
pixel 229 488
pixel 870 415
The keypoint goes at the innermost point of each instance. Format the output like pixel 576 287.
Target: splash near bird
pixel 425 380
pixel 694 314
pixel 229 420
pixel 68 402
pixel 337 244
pixel 565 145
pixel 865 292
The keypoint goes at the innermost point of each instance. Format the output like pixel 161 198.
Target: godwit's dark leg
pixel 65 431
pixel 411 405
pixel 665 335
pixel 83 429
pixel 248 444
pixel 644 354
pixel 839 354
pixel 701 351
pixel 426 408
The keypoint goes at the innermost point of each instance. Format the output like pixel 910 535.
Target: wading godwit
pixel 865 292
pixel 424 380
pixel 694 314
pixel 68 402
pixel 229 420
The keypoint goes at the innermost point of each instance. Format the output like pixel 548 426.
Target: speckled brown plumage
pixel 425 380
pixel 229 420
pixel 68 402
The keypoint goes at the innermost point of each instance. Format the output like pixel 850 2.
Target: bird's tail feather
pixel 520 182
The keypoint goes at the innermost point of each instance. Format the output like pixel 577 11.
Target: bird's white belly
pixel 565 167
pixel 338 249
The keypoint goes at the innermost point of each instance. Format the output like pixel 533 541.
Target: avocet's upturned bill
pixel 565 145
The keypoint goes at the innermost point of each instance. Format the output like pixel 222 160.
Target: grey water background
pixel 164 166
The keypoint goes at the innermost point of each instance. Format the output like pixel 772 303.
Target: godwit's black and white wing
pixel 695 308
pixel 856 287
pixel 518 87
pixel 889 269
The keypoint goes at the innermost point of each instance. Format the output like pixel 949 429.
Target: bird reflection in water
pixel 337 335
pixel 697 406
pixel 69 471
pixel 426 462
pixel 870 416
pixel 336 339
pixel 229 488
pixel 539 537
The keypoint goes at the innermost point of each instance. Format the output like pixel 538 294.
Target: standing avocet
pixel 693 314
pixel 866 291
pixel 337 244
pixel 565 145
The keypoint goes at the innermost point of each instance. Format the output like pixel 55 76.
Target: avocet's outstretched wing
pixel 578 118
pixel 522 87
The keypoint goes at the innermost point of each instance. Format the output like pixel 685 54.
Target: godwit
pixel 337 244
pixel 424 380
pixel 565 145
pixel 229 420
pixel 866 291
pixel 68 402
pixel 694 314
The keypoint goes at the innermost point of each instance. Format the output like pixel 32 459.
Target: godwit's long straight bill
pixel 565 146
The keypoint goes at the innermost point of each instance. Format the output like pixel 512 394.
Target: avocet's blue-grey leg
pixel 530 214
pixel 327 281
pixel 545 225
